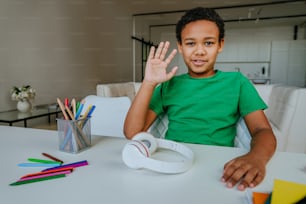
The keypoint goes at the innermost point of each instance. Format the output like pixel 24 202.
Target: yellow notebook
pixel 286 192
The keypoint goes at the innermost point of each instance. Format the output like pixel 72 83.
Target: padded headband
pixel 136 154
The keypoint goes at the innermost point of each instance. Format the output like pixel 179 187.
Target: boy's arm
pixel 250 169
pixel 139 116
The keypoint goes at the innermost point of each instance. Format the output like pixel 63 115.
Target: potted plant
pixel 23 95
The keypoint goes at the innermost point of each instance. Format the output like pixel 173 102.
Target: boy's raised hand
pixel 157 63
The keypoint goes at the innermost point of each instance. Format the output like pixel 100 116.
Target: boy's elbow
pixel 128 134
pixel 131 129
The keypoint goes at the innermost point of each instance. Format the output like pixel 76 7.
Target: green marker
pixel 37 179
pixel 44 161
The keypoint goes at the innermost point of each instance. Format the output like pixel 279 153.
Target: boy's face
pixel 200 47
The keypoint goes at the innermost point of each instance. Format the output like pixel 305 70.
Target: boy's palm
pixel 156 67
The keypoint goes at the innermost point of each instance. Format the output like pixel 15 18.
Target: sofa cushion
pixel 116 90
pixel 137 86
pixel 296 141
pixel 282 107
pixel 265 91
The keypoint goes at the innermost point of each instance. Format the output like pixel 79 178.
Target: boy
pixel 203 105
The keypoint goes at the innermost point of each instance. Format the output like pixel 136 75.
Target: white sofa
pixel 286 113
pixel 128 89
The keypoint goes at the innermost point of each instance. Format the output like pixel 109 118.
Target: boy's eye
pixel 209 43
pixel 190 43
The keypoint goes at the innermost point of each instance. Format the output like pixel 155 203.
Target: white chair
pixel 109 114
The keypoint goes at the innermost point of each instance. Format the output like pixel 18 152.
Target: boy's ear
pixel 221 45
pixel 179 46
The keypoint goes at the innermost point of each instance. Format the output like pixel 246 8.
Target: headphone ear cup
pixel 134 153
pixel 148 139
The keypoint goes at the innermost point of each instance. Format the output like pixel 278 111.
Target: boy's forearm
pixel 263 144
pixel 136 116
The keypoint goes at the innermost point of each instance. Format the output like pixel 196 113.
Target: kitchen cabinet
pixel 288 62
pixel 246 52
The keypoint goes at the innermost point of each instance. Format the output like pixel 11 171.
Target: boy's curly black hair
pixel 199 13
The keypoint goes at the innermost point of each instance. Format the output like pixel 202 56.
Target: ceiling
pixel 236 13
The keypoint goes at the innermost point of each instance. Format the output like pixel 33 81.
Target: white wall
pixel 63 48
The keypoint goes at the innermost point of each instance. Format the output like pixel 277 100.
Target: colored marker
pixel 73 104
pixel 74 165
pixel 47 172
pixel 52 157
pixel 69 113
pixel 38 179
pixel 79 111
pixel 85 115
pixel 62 107
pixel 91 111
pixel 77 105
pixel 66 102
pixel 44 175
pixel 37 165
pixel 43 161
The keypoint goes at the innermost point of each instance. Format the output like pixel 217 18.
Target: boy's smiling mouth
pixel 199 62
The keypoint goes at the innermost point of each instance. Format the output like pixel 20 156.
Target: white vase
pixel 24 106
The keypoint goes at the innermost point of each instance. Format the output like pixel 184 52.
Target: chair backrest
pixel 109 114
pixel 160 126
pixel 117 90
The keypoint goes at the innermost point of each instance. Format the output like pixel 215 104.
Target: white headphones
pixel 136 154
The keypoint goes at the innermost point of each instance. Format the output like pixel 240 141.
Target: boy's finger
pixel 171 56
pixel 172 73
pixel 151 54
pixel 159 50
pixel 164 50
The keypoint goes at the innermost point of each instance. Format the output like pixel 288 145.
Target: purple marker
pixel 73 165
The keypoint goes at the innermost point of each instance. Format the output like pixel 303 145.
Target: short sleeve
pixel 156 100
pixel 249 100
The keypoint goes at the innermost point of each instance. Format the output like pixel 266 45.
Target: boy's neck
pixel 203 75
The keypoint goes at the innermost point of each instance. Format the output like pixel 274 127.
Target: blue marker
pixel 91 110
pixel 79 111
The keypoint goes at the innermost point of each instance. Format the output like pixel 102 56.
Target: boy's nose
pixel 200 50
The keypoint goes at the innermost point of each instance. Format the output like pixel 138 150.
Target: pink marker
pixel 44 175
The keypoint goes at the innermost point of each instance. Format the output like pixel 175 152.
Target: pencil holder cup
pixel 74 135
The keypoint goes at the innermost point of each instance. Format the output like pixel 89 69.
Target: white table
pixel 107 180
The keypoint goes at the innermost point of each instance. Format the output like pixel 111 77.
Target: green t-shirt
pixel 205 110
